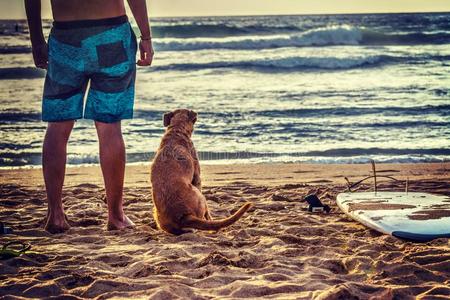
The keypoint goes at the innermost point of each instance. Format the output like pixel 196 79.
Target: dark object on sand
pixel 4 229
pixel 315 205
pixel 8 251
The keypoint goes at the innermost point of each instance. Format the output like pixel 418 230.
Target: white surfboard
pixel 412 216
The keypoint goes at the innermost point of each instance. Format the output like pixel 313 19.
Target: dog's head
pixel 183 118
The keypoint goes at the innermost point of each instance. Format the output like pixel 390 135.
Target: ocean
pixel 316 89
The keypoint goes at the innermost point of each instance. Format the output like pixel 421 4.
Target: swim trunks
pixel 102 52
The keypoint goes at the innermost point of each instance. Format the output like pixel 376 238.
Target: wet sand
pixel 278 250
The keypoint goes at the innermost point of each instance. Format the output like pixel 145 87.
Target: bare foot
pixel 114 224
pixel 56 225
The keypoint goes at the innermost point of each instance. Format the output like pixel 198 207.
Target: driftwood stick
pixel 349 184
pixel 374 176
pixel 352 185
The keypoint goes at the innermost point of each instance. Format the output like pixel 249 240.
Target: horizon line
pixel 273 15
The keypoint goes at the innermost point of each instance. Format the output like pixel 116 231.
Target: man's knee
pixel 108 130
pixel 59 130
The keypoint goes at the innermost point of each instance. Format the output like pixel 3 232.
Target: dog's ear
pixel 167 117
pixel 192 116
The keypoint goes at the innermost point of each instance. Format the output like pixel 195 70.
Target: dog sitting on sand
pixel 179 204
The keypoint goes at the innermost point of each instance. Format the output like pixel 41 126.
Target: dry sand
pixel 277 250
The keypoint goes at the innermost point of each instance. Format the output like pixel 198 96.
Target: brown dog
pixel 179 202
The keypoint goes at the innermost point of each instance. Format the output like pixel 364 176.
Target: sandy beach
pixel 278 250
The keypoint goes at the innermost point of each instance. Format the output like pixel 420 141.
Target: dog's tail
pixel 214 225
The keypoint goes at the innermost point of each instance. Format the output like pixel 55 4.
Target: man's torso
pixel 72 10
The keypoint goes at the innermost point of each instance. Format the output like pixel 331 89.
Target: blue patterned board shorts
pixel 100 51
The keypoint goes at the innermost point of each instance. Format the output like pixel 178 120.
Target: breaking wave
pixel 327 36
pixel 300 63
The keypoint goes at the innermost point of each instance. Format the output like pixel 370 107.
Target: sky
pixel 13 9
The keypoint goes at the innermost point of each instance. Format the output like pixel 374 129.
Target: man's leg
pixel 112 161
pixel 54 156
